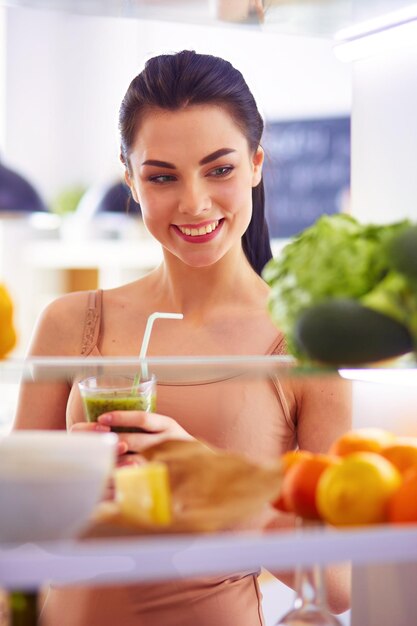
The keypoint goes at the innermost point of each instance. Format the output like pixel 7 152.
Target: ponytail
pixel 255 242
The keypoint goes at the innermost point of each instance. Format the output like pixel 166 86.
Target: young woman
pixel 190 144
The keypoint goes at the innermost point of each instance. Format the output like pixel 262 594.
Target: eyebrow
pixel 207 159
pixel 215 155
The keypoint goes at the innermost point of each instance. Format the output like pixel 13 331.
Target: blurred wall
pixel 66 75
pixel 2 76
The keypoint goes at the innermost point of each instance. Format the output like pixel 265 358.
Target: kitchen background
pixel 62 80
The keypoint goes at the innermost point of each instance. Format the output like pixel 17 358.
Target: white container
pixel 50 482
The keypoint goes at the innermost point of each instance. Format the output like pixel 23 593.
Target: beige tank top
pixel 251 416
pixel 248 416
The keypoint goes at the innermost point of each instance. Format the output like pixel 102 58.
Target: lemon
pixel 143 493
pixel 356 491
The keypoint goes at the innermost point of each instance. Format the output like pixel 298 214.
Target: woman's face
pixel 192 173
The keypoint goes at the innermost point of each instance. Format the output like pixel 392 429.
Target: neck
pixel 198 292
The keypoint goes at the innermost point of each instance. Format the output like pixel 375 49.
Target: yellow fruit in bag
pixel 7 332
pixel 143 493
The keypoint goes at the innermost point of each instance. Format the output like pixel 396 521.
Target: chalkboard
pixel 306 172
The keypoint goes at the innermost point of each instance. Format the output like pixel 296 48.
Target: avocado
pixel 344 332
pixel 402 252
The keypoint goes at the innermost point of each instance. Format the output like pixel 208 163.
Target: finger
pixel 89 427
pixel 122 448
pixel 150 422
pixel 138 442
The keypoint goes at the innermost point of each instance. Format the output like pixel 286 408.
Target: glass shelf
pixel 172 369
pixel 320 18
pixel 182 556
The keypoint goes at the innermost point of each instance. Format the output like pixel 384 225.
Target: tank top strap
pixel 92 324
pixel 278 347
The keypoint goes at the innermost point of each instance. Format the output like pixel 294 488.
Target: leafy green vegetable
pixel 337 257
pixel 395 296
pixel 402 252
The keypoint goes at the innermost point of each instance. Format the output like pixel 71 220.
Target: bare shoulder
pixel 60 326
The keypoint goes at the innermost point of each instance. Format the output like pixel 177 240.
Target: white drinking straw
pixel 147 335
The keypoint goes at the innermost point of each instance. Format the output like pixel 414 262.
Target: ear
pixel 257 161
pixel 129 183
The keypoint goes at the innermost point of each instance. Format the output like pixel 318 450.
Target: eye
pixel 221 171
pixel 161 179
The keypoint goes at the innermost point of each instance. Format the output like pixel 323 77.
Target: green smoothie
pixel 95 406
pixel 105 394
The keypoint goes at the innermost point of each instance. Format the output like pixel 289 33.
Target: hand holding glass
pixel 106 393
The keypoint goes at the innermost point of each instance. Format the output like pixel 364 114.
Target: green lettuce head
pixel 336 258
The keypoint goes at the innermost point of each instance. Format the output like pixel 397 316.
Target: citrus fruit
pixel 356 491
pixel 288 459
pixel 300 482
pixel 6 305
pixel 402 506
pixel 402 453
pixel 362 440
pixel 143 493
pixel 7 338
pixel 7 332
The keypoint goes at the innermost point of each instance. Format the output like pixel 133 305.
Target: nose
pixel 194 198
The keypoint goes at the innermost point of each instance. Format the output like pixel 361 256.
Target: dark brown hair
pixel 174 81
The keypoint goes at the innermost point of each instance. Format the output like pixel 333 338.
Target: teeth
pixel 204 230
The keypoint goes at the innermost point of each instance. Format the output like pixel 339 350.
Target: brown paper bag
pixel 211 490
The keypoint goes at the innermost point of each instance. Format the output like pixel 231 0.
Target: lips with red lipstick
pixel 199 233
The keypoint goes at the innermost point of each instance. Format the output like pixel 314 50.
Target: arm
pixel 324 408
pixel 324 411
pixel 42 405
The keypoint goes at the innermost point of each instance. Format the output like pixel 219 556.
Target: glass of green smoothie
pixel 106 393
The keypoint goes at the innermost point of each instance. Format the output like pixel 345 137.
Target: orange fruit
pixel 362 440
pixel 357 490
pixel 402 453
pixel 288 459
pixel 402 506
pixel 300 482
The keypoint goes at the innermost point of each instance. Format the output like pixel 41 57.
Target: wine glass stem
pixel 310 587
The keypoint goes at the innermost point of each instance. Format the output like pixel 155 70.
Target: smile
pixel 197 232
pixel 201 233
